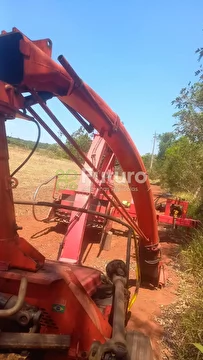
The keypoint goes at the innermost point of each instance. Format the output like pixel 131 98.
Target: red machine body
pixel 103 160
pixel 62 310
pixel 175 213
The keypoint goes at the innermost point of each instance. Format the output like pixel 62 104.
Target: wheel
pixel 139 346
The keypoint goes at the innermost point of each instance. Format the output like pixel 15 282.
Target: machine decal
pixel 58 308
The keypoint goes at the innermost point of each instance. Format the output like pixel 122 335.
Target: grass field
pixel 36 171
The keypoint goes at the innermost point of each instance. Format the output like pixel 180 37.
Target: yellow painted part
pixel 137 274
pixel 132 301
pixel 126 203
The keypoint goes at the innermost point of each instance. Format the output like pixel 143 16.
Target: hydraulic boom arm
pixel 27 66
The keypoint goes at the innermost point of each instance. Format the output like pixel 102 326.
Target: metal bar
pixel 7 217
pixel 118 328
pixel 73 142
pixel 129 240
pixel 88 127
pixel 105 171
pixel 60 126
pixel 73 208
pixel 79 83
pixel 33 341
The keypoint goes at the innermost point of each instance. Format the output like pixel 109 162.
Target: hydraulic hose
pixel 32 151
pixel 4 313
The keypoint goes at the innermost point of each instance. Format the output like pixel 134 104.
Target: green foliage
pixel 199 347
pixel 190 107
pixel 195 209
pixel 191 320
pixel 180 159
pixel 80 136
pixel 26 144
pixel 154 171
pixel 185 318
pixel 182 168
pixel 188 327
pixel 178 164
pixel 190 112
pixel 165 141
pixel 53 149
pixel 147 160
pixel 192 256
pixel 83 140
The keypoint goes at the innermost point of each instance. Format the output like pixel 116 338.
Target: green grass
pixel 184 320
pixel 192 256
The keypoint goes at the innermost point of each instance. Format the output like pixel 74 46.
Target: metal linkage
pixel 91 212
pixel 119 206
pixel 88 127
pixel 38 189
pixel 73 142
pixel 116 347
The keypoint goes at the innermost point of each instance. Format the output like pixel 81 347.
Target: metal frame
pixel 26 66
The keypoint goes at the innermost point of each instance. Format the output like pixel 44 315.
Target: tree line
pixel 179 162
pixel 179 167
pixel 81 137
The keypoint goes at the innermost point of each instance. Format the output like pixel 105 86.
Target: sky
pixel 137 55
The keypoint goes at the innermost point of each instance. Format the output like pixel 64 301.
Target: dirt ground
pixel 46 239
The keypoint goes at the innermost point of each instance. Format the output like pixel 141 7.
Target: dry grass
pixel 38 169
pixel 41 167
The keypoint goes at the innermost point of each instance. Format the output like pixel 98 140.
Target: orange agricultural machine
pixel 60 309
pixel 173 211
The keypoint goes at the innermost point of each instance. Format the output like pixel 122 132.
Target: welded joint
pixel 115 126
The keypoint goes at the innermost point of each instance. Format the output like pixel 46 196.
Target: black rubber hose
pixel 33 150
pixel 72 208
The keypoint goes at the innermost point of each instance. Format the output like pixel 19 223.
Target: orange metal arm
pixel 34 68
pixel 28 67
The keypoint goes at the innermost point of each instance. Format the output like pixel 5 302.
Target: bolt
pixel 23 320
pixel 120 272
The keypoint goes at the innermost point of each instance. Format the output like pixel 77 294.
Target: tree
pixel 190 112
pixel 183 166
pixel 83 140
pixel 146 160
pixel 165 141
pixel 154 172
pixel 190 107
